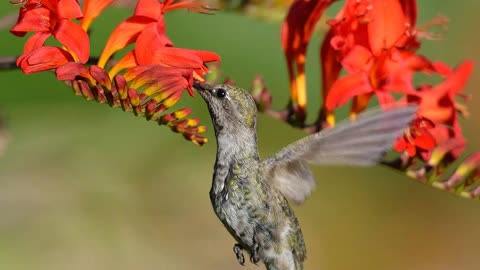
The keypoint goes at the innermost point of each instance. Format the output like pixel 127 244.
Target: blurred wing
pixel 359 143
pixel 294 180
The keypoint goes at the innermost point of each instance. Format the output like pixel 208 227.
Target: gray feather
pixel 295 179
pixel 359 143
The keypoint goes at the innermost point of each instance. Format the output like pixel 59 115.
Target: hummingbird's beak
pixel 202 88
pixel 199 86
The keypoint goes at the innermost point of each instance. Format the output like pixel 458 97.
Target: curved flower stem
pixel 8 62
pixel 281 115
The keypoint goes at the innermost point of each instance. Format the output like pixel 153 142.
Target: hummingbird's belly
pixel 258 216
pixel 276 234
pixel 238 216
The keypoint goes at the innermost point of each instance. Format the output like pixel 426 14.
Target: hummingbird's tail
pixel 284 261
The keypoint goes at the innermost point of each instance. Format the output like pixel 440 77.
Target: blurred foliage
pixel 87 187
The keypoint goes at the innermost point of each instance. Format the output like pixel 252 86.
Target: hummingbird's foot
pixel 254 254
pixel 239 253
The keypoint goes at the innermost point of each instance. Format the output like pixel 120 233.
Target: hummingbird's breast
pixel 241 202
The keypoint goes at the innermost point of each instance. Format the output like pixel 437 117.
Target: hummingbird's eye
pixel 221 93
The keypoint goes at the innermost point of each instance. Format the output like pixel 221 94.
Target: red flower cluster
pixel 154 72
pixel 50 18
pixel 375 43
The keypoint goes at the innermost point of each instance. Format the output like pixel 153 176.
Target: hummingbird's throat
pixel 236 146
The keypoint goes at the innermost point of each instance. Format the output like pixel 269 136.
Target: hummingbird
pixel 251 195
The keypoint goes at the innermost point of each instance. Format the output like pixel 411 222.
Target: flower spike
pixel 147 81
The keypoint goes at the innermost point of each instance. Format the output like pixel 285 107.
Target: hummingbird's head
pixel 232 109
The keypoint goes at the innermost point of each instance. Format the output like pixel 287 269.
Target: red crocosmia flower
pixel 178 58
pixel 127 32
pixel 377 25
pixel 373 41
pixel 391 71
pixel 146 27
pixel 296 32
pixel 51 18
pixel 418 138
pixel 437 104
pixel 43 58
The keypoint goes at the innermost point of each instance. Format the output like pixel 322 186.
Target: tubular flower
pixel 148 80
pixel 296 32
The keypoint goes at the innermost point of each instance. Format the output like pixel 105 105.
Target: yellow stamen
pixel 330 119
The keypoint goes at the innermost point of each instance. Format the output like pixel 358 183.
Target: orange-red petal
pixel 176 57
pixel 148 8
pixel 456 82
pixel 402 144
pixel 69 9
pixel 71 71
pixel 35 41
pixel 43 58
pixel 91 10
pixel 32 20
pixel 387 26
pixel 127 61
pixel 357 59
pixel 206 56
pixel 424 140
pixel 384 98
pixel 50 4
pixel 192 5
pixel 410 10
pixel 347 87
pixel 123 35
pixel 74 38
pixel 149 40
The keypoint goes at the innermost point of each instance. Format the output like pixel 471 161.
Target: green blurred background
pixel 84 186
